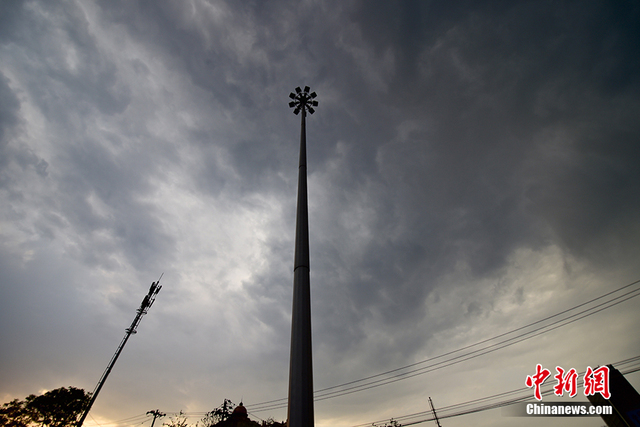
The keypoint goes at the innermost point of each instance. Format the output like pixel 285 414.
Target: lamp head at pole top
pixel 303 100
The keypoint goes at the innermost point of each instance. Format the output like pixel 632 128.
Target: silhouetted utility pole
pixel 156 413
pixel 434 412
pixel 300 408
pixel 144 308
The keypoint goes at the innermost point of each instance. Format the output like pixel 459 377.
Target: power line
pixel 475 353
pixel 486 340
pixel 499 404
pixel 94 420
pixel 482 404
pixel 325 393
pixel 126 421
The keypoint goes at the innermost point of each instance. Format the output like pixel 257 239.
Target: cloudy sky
pixel 473 168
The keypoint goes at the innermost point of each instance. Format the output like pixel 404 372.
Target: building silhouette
pixel 624 399
pixel 238 418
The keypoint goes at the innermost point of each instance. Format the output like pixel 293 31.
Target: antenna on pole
pixel 147 302
pixel 434 412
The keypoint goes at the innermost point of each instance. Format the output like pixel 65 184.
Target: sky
pixel 472 169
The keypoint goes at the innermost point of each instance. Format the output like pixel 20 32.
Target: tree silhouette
pixel 179 420
pixel 13 414
pixel 221 413
pixel 55 408
pixel 391 423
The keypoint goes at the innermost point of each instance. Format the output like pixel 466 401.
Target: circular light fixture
pixel 303 100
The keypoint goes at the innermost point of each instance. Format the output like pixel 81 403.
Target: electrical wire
pixel 496 405
pixel 365 383
pixel 126 421
pixel 324 394
pixel 481 404
pixel 486 340
pixel 94 420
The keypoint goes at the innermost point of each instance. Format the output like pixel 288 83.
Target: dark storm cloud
pixel 10 17
pixel 75 71
pixel 245 59
pixel 495 81
pixel 91 171
pixel 519 132
pixel 40 309
pixel 146 136
pixel 75 81
pixel 19 154
pixel 205 53
pixel 9 106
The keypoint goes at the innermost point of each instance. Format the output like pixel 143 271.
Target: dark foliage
pixel 55 408
pixel 219 414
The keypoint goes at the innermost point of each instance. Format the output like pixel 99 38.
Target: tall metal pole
pixel 300 408
pixel 144 308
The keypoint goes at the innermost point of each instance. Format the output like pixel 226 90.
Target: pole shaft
pixel 106 373
pixel 300 410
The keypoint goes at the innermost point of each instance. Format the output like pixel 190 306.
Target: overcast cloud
pixel 473 167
